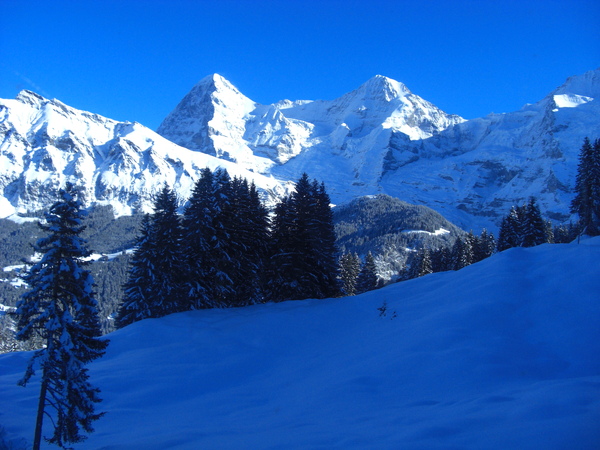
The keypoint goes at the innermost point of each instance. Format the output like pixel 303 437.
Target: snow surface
pixel 438 232
pixel 502 354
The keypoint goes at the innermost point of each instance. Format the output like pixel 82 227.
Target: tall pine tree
pixel 167 256
pixel 61 307
pixel 586 203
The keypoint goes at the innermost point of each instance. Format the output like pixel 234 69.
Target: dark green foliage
pixel 249 235
pixel 109 277
pixel 524 227
pixel 386 227
pixel 138 299
pixel 586 203
pixel 167 257
pixel 107 234
pixel 61 308
pixel 441 259
pixel 461 254
pixel 419 264
pixel 225 230
pixel 534 228
pixel 154 287
pixel 349 269
pixel 484 246
pixel 303 261
pixel 16 241
pixel 564 234
pixel 367 278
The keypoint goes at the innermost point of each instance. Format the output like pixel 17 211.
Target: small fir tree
pixel 367 278
pixel 349 270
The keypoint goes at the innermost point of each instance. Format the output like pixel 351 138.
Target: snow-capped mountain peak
pixel 261 137
pixel 45 143
pixel 586 85
pixel 383 87
pixel 377 139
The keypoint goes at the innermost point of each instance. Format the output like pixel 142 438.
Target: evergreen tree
pixel 367 278
pixel 441 260
pixel 349 270
pixel 484 246
pixel 303 262
pixel 586 203
pixel 61 307
pixel 167 284
pixel 198 232
pixel 534 230
pixel 420 264
pixel 139 296
pixel 248 227
pixel 510 229
pixel 323 245
pixel 462 253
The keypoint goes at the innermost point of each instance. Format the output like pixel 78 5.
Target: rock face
pixel 377 139
pixel 381 138
pixel 45 143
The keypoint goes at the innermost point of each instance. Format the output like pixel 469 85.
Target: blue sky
pixel 135 60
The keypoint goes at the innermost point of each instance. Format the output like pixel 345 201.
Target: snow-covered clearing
pixel 502 354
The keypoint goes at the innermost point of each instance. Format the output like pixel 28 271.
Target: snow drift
pixel 502 354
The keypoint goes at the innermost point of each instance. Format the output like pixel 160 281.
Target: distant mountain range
pixel 377 139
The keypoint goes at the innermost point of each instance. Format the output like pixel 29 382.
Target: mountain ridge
pixel 378 138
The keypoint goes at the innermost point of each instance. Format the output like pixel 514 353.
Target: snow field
pixel 502 354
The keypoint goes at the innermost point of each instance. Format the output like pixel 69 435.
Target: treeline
pixel 226 250
pixel 523 226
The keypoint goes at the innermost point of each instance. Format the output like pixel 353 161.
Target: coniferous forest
pixel 226 251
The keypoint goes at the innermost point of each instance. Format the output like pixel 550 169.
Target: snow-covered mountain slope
pixel 217 119
pixel 44 143
pixel 391 230
pixel 381 138
pixel 502 354
pixel 475 171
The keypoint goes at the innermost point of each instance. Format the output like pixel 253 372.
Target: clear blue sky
pixel 135 60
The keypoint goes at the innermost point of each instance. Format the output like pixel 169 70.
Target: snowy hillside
pixel 44 143
pixel 502 354
pixel 381 138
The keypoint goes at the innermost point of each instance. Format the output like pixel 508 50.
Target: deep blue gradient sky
pixel 135 60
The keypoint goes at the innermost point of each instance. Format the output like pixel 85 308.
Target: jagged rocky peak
pixel 210 103
pixel 30 98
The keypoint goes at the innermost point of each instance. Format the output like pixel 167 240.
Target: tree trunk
pixel 37 438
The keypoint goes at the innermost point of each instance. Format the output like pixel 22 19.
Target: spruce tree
pixel 441 260
pixel 461 253
pixel 510 230
pixel 167 284
pixel 484 246
pixel 61 307
pixel 303 261
pixel 421 264
pixel 586 203
pixel 367 278
pixel 533 227
pixel 139 296
pixel 349 270
pixel 248 226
